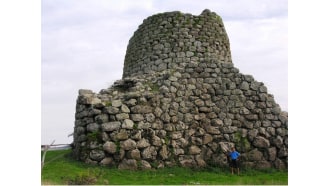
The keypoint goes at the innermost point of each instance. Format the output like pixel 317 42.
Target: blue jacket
pixel 234 155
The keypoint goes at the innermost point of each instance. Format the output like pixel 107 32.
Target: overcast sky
pixel 83 44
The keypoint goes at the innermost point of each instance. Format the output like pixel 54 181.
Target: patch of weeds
pixel 153 86
pixel 196 22
pixel 94 136
pixel 187 22
pixel 108 104
pixel 167 140
pixel 178 15
pixel 218 18
pixel 154 164
pixel 117 146
pixel 172 155
pixel 243 143
pixel 139 164
pixel 86 178
pixel 135 126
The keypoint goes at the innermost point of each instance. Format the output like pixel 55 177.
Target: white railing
pixel 52 146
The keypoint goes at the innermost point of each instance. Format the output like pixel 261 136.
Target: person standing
pixel 234 156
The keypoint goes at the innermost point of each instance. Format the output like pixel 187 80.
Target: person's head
pixel 232 148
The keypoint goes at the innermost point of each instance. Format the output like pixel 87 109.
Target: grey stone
pixel 128 144
pixel 227 121
pixel 128 164
pixel 82 138
pixel 178 151
pixel 143 143
pixel 176 135
pixel 199 102
pixel 263 165
pixel 110 147
pixel 217 122
pixel 97 155
pixel 245 85
pixel 93 127
pixel 248 125
pixel 156 141
pixel 125 109
pixel 141 109
pixel 189 54
pixel 204 109
pixel 102 118
pixel 283 152
pixel 145 165
pixel 131 102
pixel 250 105
pixel 263 88
pixel 91 162
pixel 128 124
pixel 112 110
pixel 276 124
pixel 116 103
pixel 252 134
pixel 207 139
pixel 122 116
pixel 281 132
pixel 229 129
pixel 185 162
pixel 106 161
pixel 271 131
pixel 213 130
pixel 111 126
pixel 261 142
pixel 251 117
pixel 194 150
pixel 158 112
pixel 80 130
pixel 85 91
pixel 278 141
pixel 276 110
pixel 266 123
pixel 254 155
pixel 255 85
pixel 92 112
pixel 279 164
pixel 137 117
pixel 149 153
pixel 271 153
pixel 136 135
pixel 244 111
pixel 188 118
pixel 150 117
pixel 121 135
pixel 158 47
pixel 163 152
pixel 143 125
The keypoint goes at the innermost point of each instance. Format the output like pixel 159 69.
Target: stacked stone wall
pixel 171 40
pixel 186 113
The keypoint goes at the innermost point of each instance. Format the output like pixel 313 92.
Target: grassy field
pixel 61 169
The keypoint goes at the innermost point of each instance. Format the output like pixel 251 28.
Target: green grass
pixel 60 168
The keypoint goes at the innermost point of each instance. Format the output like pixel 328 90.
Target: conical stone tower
pixel 181 102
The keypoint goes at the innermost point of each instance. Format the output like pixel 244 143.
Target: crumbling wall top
pixel 170 40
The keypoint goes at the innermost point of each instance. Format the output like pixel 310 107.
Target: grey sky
pixel 84 44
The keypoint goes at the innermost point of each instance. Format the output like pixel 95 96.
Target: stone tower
pixel 181 102
pixel 171 40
